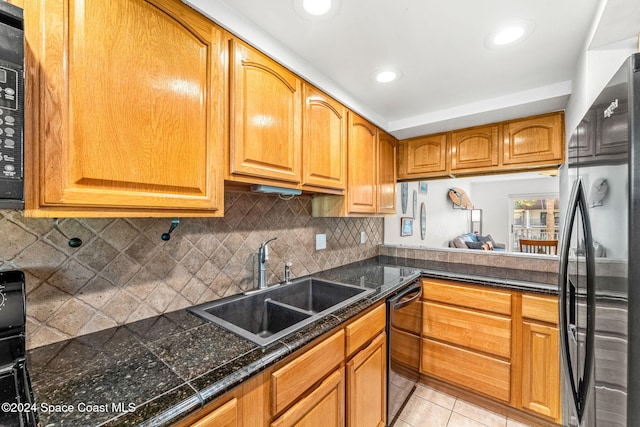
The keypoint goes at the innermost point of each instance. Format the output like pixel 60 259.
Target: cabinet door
pixel 224 416
pixel 387 149
pixel 537 140
pixel 363 147
pixel 540 369
pixel 130 107
pixel 324 407
pixel 367 385
pixel 266 101
pixel 324 141
pixel 423 156
pixel 474 148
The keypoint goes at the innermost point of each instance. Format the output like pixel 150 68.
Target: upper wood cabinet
pixel 387 172
pixel 363 149
pixel 474 148
pixel 423 156
pixel 265 124
pixel 537 140
pixel 125 101
pixel 530 142
pixel 324 141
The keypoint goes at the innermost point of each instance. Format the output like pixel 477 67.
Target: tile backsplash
pixel 124 272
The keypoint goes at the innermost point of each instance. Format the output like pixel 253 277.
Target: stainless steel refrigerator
pixel 599 277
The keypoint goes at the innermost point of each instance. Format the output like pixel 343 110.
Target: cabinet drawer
pixel 365 328
pixel 540 308
pixel 480 373
pixel 467 296
pixel 405 349
pixel 224 416
pixel 480 331
pixel 290 381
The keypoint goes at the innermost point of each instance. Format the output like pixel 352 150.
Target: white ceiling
pixel 450 78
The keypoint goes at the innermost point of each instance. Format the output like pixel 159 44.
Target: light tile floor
pixel 430 408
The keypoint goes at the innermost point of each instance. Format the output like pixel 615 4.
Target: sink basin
pixel 267 315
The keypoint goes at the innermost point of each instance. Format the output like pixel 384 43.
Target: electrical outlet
pixel 363 237
pixel 321 241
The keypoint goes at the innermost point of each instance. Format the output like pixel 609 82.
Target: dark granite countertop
pixel 154 371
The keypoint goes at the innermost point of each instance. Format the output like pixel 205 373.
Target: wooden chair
pixel 548 247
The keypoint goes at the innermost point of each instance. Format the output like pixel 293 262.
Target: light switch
pixel 321 241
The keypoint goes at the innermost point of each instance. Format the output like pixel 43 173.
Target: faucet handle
pixel 287 272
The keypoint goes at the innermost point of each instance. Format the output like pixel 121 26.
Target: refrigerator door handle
pixel 569 303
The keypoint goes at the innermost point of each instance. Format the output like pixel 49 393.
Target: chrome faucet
pixel 263 257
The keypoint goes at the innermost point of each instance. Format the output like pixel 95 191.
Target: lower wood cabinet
pixel 224 416
pixel 540 356
pixel 497 343
pixel 324 406
pixel 367 385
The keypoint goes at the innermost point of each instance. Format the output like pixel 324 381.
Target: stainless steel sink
pixel 267 315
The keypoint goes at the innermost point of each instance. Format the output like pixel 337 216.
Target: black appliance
pixel 11 107
pixel 599 280
pixel 404 323
pixel 15 386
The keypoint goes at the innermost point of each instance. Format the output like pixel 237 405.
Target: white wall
pixel 489 193
pixel 443 222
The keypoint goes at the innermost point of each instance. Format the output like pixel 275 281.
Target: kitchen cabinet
pixel 367 384
pixel 323 407
pixel 474 148
pixel 540 356
pixel 224 416
pixel 244 406
pixel 363 149
pixel 423 156
pixel 387 172
pixel 521 144
pixel 371 174
pixel 464 341
pixel 293 379
pixel 324 141
pixel 533 141
pixel 265 139
pixel 500 344
pixel 125 104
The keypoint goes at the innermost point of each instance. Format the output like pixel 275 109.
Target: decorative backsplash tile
pixel 124 272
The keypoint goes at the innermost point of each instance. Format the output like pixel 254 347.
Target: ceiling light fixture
pixel 316 7
pixel 386 76
pixel 509 35
pixel 316 10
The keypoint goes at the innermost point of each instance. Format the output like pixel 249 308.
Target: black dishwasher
pixel 404 324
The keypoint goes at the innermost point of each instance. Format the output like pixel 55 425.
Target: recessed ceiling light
pixel 386 76
pixel 509 34
pixel 316 7
pixel 316 10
